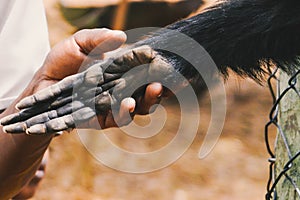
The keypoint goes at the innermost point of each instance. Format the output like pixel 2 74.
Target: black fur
pixel 240 34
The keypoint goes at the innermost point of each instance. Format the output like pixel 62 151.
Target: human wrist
pixel 38 82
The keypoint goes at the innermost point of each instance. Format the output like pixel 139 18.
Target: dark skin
pixel 21 154
pixel 243 36
pixel 30 188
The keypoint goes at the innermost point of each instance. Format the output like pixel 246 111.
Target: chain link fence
pixel 277 175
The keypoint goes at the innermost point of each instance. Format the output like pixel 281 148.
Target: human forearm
pixel 20 155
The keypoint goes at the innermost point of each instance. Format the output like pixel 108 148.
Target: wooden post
pixel 289 120
pixel 120 15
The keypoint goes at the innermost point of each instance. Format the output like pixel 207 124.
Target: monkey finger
pixel 21 127
pixel 37 109
pixel 52 91
pixel 22 115
pixel 62 123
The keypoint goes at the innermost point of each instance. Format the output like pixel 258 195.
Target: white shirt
pixel 24 44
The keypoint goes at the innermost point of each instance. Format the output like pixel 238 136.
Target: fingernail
pixel 160 94
pixel 15 128
pixel 37 129
pixel 39 174
pixel 118 32
pixel 17 107
pixel 131 110
pixel 131 104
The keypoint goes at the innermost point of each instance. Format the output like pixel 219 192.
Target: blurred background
pixel 237 168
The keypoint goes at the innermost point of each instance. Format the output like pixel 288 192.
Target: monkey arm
pixel 242 35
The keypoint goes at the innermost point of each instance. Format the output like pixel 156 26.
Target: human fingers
pixel 151 97
pixel 124 115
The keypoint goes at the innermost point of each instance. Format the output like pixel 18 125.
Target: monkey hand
pixel 75 100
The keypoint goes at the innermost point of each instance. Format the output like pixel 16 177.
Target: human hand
pixel 72 52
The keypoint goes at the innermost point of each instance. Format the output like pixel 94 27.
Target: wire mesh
pixel 278 94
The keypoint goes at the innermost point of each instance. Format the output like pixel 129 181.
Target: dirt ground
pixel 237 168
